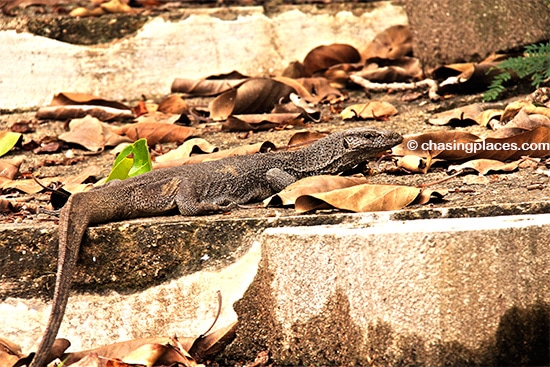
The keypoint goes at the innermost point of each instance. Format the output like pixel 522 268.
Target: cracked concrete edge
pixel 195 46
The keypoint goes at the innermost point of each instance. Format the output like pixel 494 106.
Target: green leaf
pixel 131 161
pixel 8 140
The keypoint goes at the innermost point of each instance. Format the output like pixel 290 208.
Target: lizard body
pixel 198 189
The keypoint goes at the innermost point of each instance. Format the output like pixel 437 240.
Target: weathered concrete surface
pixel 424 293
pixel 319 289
pixel 447 31
pixel 194 44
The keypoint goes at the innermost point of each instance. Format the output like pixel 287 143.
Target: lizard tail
pixel 72 225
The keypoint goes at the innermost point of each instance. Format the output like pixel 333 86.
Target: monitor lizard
pixel 198 189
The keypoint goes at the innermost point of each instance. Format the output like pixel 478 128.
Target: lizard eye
pixel 346 144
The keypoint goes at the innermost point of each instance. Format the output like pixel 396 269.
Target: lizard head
pixel 346 149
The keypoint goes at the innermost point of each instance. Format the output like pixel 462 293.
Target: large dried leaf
pixel 484 166
pixel 211 86
pixel 312 185
pixel 468 77
pixel 78 111
pixel 360 198
pixel 253 96
pixel 242 150
pixel 156 133
pixel 214 342
pixel 457 145
pixel 392 43
pixel 66 106
pixel 87 132
pixel 466 115
pixel 184 151
pixel 388 71
pixel 323 57
pixel 313 90
pixel 10 353
pixel 173 104
pixel 258 122
pixel 377 110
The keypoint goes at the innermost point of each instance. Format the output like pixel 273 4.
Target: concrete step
pixel 324 289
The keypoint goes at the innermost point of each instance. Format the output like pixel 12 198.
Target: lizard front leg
pixel 278 179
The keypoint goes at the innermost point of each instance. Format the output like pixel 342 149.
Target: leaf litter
pixel 326 84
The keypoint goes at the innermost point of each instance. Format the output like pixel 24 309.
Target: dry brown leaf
pixel 302 138
pixel 323 57
pixel 155 133
pixel 360 198
pixel 87 132
pixel 9 168
pixel 253 96
pixel 484 166
pixel 377 110
pixel 242 150
pixel 173 104
pixel 466 115
pixel 211 86
pixel 258 122
pixel 184 151
pixel 70 99
pixel 413 163
pixel 392 43
pixel 214 342
pixel 116 350
pixel 78 111
pixel 10 352
pixel 312 185
pixel 313 90
pixel 387 71
pixel 116 7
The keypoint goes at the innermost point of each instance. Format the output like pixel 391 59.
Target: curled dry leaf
pixel 313 90
pixel 87 132
pixel 155 133
pixel 484 166
pixel 210 86
pixel 69 99
pixel 173 104
pixel 377 110
pixel 302 138
pixel 65 106
pixel 323 57
pixel 258 122
pixel 253 96
pixel 387 71
pixel 392 43
pixel 10 352
pixel 184 151
pixel 360 198
pixel 413 163
pixel 312 185
pixel 466 115
pixel 72 112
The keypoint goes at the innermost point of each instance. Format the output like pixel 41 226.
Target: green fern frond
pixel 534 64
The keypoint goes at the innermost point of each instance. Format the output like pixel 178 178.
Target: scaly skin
pixel 198 189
